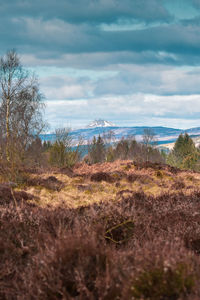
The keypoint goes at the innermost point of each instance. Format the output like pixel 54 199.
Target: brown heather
pixel 107 231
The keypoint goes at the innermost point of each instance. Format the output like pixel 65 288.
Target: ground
pixel 78 188
pixel 107 231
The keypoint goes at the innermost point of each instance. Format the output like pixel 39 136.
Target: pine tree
pixel 96 150
pixel 184 146
pixel 184 154
pixel 100 149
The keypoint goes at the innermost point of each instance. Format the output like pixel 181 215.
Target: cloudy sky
pixel 132 62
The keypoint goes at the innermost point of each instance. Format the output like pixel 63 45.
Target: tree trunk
pixel 7 129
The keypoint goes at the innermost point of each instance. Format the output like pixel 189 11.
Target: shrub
pixel 163 283
pixel 58 154
pixel 62 157
pixel 120 233
pixel 35 154
pixel 101 176
pixel 62 152
pixel 71 268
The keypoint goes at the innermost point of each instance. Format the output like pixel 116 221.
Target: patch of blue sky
pixel 43 72
pixel 181 9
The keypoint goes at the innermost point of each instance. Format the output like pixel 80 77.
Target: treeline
pixel 105 148
pixel 63 153
pixel 185 155
pixel 126 148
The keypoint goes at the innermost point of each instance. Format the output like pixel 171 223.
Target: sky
pixel 131 62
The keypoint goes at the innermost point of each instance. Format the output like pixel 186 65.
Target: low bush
pixel 51 183
pixel 101 176
pixel 164 283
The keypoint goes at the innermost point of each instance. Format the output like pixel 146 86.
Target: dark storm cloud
pixel 78 11
pixel 49 29
pixel 53 38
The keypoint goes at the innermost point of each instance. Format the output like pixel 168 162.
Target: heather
pixel 134 235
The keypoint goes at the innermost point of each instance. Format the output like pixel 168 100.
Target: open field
pixel 106 231
pixel 86 185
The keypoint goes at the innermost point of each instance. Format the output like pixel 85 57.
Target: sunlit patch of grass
pixel 79 180
pixel 192 180
pixel 69 187
pixel 162 176
pixel 72 196
pixel 44 197
pixel 153 189
pixel 80 190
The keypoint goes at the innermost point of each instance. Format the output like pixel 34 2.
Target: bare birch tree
pixel 21 106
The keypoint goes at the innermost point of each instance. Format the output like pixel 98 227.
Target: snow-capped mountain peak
pixel 100 123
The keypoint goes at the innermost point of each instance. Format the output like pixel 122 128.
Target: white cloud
pixel 65 92
pixel 135 107
pixel 67 83
pixel 131 94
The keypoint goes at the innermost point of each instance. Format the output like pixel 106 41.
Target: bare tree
pixel 63 135
pixel 149 142
pixel 21 105
pixel 109 137
pixel 148 137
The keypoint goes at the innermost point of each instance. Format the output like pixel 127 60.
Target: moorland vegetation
pixel 121 222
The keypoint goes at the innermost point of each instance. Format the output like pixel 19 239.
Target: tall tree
pixel 21 105
pixel 149 142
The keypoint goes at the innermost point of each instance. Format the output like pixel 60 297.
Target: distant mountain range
pixel 164 135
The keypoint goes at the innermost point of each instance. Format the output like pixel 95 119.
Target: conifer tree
pixel 97 151
pixel 184 154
